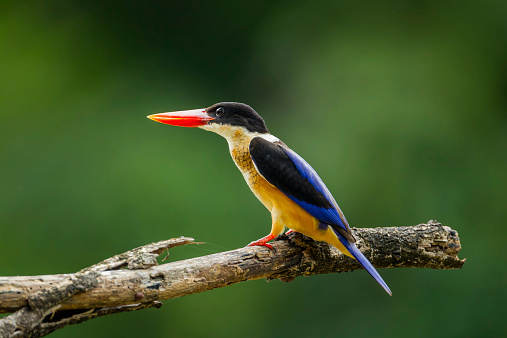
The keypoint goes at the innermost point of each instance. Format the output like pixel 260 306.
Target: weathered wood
pixel 44 304
pixel 60 319
pixel 26 322
pixel 424 246
pixel 43 314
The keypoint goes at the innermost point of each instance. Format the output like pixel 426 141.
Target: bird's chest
pixel 261 188
pixel 241 156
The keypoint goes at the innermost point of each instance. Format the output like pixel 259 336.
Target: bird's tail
pixel 354 251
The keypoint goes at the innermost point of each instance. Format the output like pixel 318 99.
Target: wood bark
pixel 133 280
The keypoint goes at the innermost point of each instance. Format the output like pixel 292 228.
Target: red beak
pixel 184 118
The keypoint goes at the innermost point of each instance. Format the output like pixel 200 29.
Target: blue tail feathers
pixel 351 247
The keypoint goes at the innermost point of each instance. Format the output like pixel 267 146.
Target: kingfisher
pixel 281 179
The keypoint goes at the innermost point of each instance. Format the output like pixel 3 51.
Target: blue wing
pixel 290 173
pixel 287 171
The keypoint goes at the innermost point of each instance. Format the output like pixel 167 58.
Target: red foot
pixel 263 242
pixel 290 231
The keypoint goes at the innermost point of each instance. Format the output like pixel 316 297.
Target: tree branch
pixel 53 301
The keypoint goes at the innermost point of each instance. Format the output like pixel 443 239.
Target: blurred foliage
pixel 399 105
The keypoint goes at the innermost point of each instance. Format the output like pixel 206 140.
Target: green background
pixel 399 105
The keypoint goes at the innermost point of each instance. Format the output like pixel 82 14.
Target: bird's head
pixel 222 118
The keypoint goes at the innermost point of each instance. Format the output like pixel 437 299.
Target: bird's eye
pixel 220 112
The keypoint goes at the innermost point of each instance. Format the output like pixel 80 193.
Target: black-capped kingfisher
pixel 281 179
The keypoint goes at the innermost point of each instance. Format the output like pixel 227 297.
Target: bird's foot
pixel 263 242
pixel 290 231
pixel 255 243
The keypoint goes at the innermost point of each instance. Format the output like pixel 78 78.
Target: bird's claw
pixel 261 243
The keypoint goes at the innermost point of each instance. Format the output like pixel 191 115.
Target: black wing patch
pixel 278 169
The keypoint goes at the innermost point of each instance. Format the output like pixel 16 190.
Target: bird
pixel 282 180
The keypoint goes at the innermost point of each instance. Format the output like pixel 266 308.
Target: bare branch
pixel 140 258
pixel 144 284
pixel 68 317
